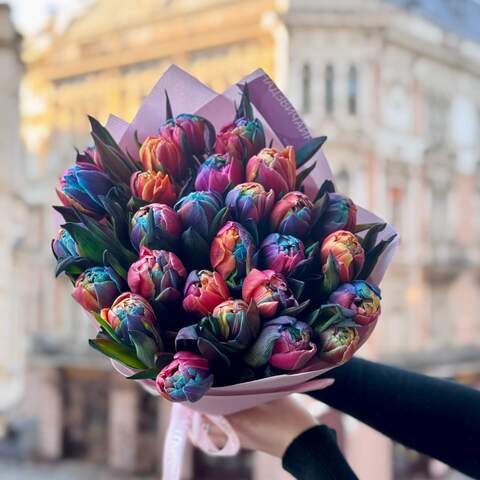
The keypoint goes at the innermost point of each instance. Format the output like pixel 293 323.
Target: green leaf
pixel 118 352
pixel 361 227
pixel 370 239
pixel 69 214
pixel 108 329
pixel 195 249
pixel 296 286
pixel 371 258
pixel 295 311
pixel 145 347
pixel 110 260
pixel 88 245
pixel 331 275
pixel 168 106
pixel 308 150
pixel 244 110
pixel 149 374
pixel 252 229
pixel 74 266
pixel 326 187
pixel 218 221
pixel 303 175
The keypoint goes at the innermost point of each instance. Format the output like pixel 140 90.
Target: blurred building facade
pixel 393 84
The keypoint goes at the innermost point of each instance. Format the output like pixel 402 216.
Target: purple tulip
pixel 81 186
pixel 281 253
pixel 361 297
pixel 249 201
pixel 218 172
pixel 63 245
pixel 198 209
pixel 285 343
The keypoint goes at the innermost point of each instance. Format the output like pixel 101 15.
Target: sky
pixel 30 15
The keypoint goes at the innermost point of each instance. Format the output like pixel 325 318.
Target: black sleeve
pixel 436 417
pixel 314 455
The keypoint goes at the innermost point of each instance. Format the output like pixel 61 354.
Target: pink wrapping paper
pixel 283 126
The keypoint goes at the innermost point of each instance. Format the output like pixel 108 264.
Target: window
pixel 306 88
pixel 329 89
pixel 352 89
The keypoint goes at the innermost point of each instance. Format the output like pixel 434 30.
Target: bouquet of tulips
pixel 209 254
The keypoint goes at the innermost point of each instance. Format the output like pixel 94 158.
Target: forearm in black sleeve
pixel 436 417
pixel 314 455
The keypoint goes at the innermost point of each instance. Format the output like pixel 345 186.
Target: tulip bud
pixel 63 245
pixel 162 154
pixel 361 297
pixel 81 187
pixel 274 169
pixel 189 128
pixel 292 215
pixel 218 172
pixel 131 313
pixel 269 290
pixel 281 253
pixel 231 252
pixel 285 343
pixel 158 276
pixel 345 248
pixel 338 344
pixel 339 214
pixel 153 187
pixel 249 201
pixel 186 379
pixel 97 288
pixel 198 209
pixel 166 224
pixel 204 290
pixel 242 138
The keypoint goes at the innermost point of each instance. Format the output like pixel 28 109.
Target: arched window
pixel 306 88
pixel 329 89
pixel 352 89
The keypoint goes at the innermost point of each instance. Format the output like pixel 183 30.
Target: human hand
pixel 271 427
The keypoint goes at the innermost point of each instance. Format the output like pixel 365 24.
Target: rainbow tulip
pixel 160 153
pixel 204 290
pixel 166 224
pixel 339 214
pixel 131 313
pixel 274 169
pixel 97 288
pixel 63 245
pixel 218 172
pixel 269 290
pixel 198 209
pixel 292 215
pixel 241 138
pixel 338 344
pixel 361 297
pixel 346 250
pixel 158 276
pixel 231 252
pixel 281 253
pixel 82 186
pixel 153 187
pixel 249 201
pixel 186 379
pixel 284 343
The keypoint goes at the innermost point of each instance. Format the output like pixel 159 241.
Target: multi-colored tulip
pixel 249 201
pixel 187 128
pixel 339 214
pixel 274 169
pixel 269 290
pixel 63 245
pixel 166 223
pixel 241 138
pixel 345 248
pixel 204 290
pixel 131 313
pixel 338 344
pixel 153 187
pixel 231 252
pixel 97 288
pixel 284 343
pixel 361 297
pixel 198 209
pixel 157 276
pixel 160 153
pixel 81 186
pixel 281 253
pixel 186 379
pixel 292 215
pixel 218 172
